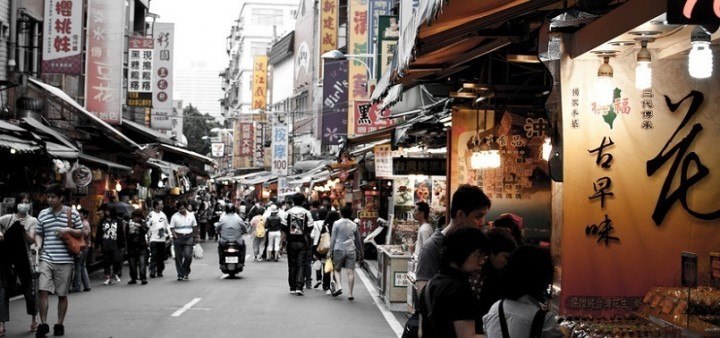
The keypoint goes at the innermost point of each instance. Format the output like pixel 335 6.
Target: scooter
pixel 232 259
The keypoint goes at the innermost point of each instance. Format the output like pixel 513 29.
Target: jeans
pixel 157 257
pixel 81 279
pixel 258 245
pixel 307 269
pixel 138 260
pixel 297 257
pixel 112 261
pixel 203 229
pixel 183 254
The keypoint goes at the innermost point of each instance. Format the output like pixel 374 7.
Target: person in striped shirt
pixel 56 262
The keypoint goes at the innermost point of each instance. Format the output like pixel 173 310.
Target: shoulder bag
pixel 74 244
pixel 324 244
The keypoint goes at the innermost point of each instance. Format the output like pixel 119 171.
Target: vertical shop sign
pixel 383 161
pixel 357 44
pixel 328 26
pixel 218 149
pixel 259 88
pixel 246 139
pixel 62 43
pixel 104 73
pixel 388 35
pixel 163 58
pixel 378 8
pixel 259 144
pixel 280 150
pixel 140 72
pixel 335 102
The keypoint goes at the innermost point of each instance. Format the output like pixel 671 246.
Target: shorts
pixel 55 278
pixel 343 259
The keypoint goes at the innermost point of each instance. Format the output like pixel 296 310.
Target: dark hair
pixel 442 221
pixel 468 198
pixel 18 199
pixel 322 214
pixel 460 243
pixel 315 204
pixel 55 189
pixel 298 199
pixel 84 212
pixel 332 217
pixel 346 211
pixel 230 208
pixel 137 213
pixel 180 204
pixel 500 241
pixel 505 221
pixel 156 203
pixel 529 271
pixel 424 208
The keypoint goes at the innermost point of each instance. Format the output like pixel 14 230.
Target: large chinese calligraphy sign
pixel 162 84
pixel 259 88
pixel 328 25
pixel 357 44
pixel 140 72
pixel 640 190
pixel 243 144
pixel 62 37
pixel 104 74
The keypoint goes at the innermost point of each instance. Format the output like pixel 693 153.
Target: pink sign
pixel 104 73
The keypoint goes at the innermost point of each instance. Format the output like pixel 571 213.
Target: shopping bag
pixel 197 251
pixel 324 243
pixel 329 265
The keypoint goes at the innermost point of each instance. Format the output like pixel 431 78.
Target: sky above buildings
pixel 200 32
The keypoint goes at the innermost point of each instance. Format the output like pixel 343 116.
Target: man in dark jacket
pixel 297 232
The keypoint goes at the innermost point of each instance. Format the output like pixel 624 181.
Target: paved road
pixel 256 305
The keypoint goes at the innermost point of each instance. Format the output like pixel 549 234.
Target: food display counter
pixel 393 281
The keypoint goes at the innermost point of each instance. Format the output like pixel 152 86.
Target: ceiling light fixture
pixel 605 85
pixel 643 70
pixel 700 61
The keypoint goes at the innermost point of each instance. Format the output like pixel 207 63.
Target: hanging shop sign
pixel 368 118
pixel 384 160
pixel 259 145
pixel 335 102
pixel 62 37
pixel 328 25
pixel 162 83
pixel 217 149
pixel 104 73
pixel 629 205
pixel 378 8
pixel 693 12
pixel 280 150
pixel 82 176
pixel 259 87
pixel 388 36
pixel 243 144
pixel 357 44
pixel 140 72
pixel 419 166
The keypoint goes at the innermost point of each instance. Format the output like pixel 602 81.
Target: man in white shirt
pixel 184 230
pixel 159 234
pixel 421 214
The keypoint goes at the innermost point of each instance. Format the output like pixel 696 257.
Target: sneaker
pixel 58 330
pixel 132 282
pixel 107 281
pixel 337 293
pixel 299 293
pixel 292 290
pixel 328 292
pixel 317 285
pixel 180 279
pixel 144 282
pixel 86 290
pixel 187 277
pixel 117 278
pixel 42 330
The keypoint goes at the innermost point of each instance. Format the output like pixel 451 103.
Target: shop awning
pixel 151 135
pixel 37 125
pixel 255 178
pixel 104 164
pixel 14 137
pixel 57 92
pixel 444 36
pixel 186 153
pixel 309 165
pixel 61 151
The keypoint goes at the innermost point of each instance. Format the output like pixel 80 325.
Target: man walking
pixel 159 233
pixel 297 232
pixel 185 231
pixel 56 262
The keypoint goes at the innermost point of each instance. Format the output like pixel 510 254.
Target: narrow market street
pixel 257 304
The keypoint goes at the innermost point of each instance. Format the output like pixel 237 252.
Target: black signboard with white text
pixel 419 166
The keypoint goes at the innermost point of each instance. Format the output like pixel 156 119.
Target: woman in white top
pixel 17 238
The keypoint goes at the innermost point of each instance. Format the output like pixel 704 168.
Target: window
pixel 266 17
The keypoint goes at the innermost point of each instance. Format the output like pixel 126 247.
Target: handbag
pixel 75 245
pixel 324 244
pixel 329 265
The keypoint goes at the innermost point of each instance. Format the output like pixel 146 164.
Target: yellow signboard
pixel 328 25
pixel 259 88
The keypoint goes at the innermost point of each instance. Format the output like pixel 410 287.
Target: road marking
pixel 186 307
pixel 389 317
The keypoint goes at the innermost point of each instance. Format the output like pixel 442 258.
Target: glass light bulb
pixel 118 187
pixel 643 75
pixel 604 90
pixel 700 61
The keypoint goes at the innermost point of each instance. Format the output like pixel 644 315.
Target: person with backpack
pixel 257 222
pixel 297 233
pixel 273 225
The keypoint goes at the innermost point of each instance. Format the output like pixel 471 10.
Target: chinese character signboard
pixel 378 8
pixel 162 83
pixel 140 72
pixel 357 44
pixel 104 73
pixel 62 37
pixel 388 35
pixel 259 87
pixel 629 206
pixel 328 25
pixel 368 118
pixel 335 105
pixel 259 145
pixel 403 166
pixel 279 150
pixel 384 160
pixel 243 144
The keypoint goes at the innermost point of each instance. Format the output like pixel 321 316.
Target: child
pixel 136 232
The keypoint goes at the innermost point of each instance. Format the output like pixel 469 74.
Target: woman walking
pixel 81 281
pixel 17 235
pixel 344 243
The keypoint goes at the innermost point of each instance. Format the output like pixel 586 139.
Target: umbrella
pixel 123 209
